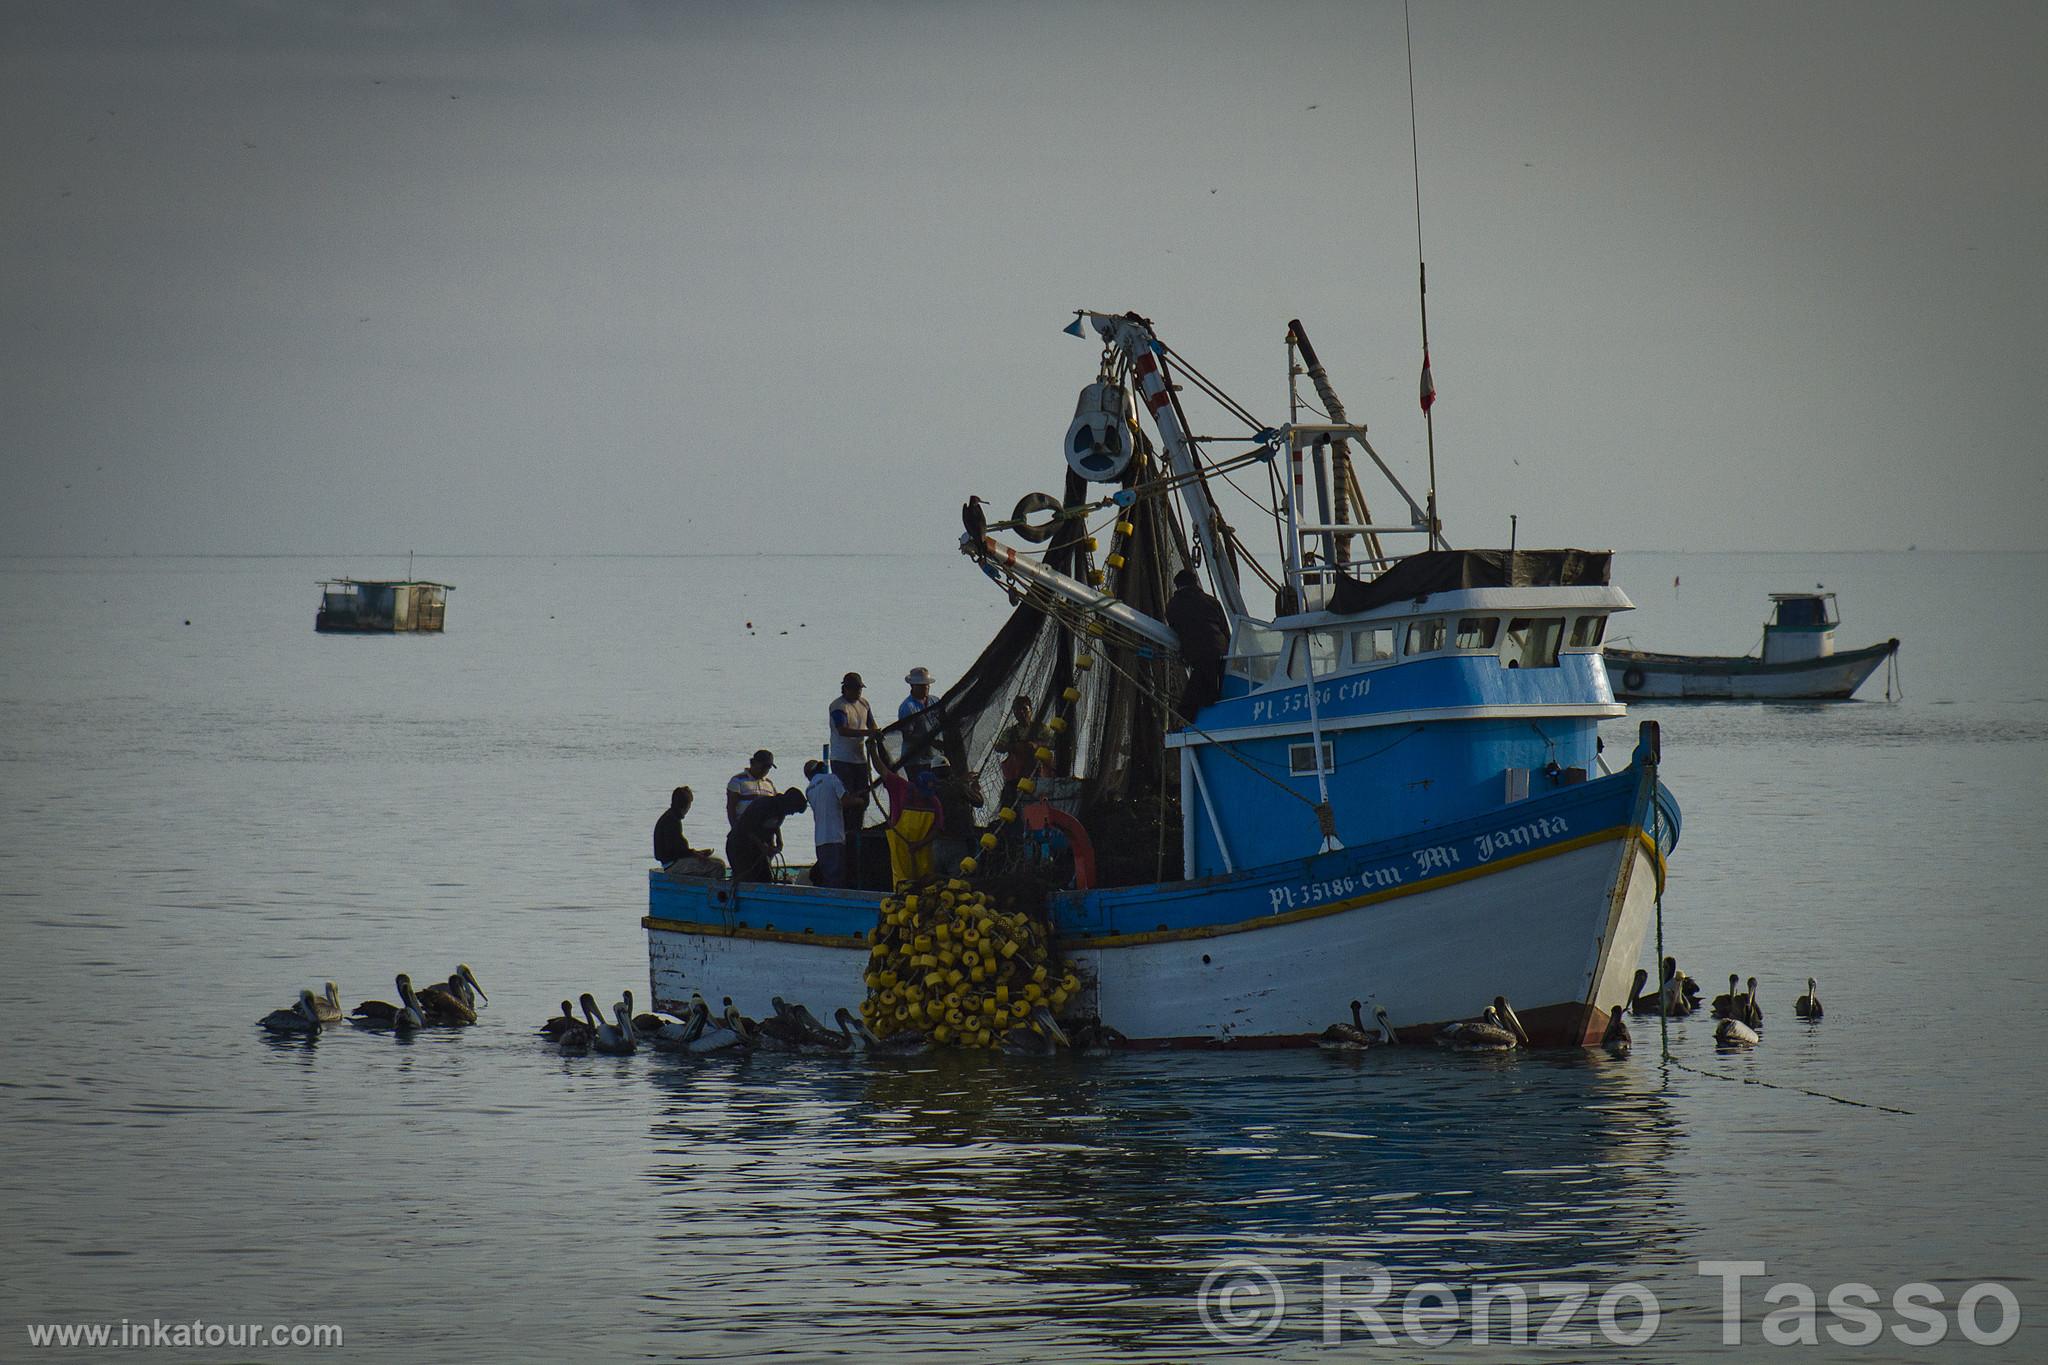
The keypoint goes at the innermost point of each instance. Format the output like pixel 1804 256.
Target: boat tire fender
pixel 1633 680
pixel 1030 504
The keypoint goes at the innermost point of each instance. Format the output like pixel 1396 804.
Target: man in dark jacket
pixel 1204 631
pixel 757 838
pixel 669 844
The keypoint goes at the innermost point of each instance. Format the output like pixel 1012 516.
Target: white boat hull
pixel 1558 933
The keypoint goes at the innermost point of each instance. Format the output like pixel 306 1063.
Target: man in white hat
pixel 920 727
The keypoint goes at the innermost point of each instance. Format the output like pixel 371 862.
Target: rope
pixel 1664 1018
pixel 1773 1085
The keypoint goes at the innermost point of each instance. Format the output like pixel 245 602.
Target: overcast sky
pixel 758 277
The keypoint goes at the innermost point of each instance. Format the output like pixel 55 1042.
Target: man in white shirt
pixel 748 785
pixel 853 725
pixel 827 797
pixel 919 725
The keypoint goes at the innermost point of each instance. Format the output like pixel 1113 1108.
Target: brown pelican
pixel 1351 1037
pixel 1510 1020
pixel 561 1023
pixel 1725 1005
pixel 302 1017
pixel 443 1003
pixel 328 1006
pixel 1041 1035
pixel 1639 1000
pixel 616 1039
pixel 1616 1039
pixel 779 1032
pixel 379 1012
pixel 1097 1039
pixel 1735 1033
pixel 1807 1006
pixel 473 990
pixel 1672 997
pixel 1487 1033
pixel 748 1031
pixel 1752 1007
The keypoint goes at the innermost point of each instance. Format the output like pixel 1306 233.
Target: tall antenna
pixel 1436 539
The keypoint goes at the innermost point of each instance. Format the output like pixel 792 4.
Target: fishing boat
pixel 370 606
pixel 1394 792
pixel 1798 662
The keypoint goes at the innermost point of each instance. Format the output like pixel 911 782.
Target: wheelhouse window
pixel 1532 641
pixel 1588 631
pixel 1372 645
pixel 1425 637
pixel 1255 652
pixel 1477 632
pixel 1311 648
pixel 1301 759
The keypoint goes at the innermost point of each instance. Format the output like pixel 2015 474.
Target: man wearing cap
pixel 751 847
pixel 827 797
pixel 748 785
pixel 853 725
pixel 919 724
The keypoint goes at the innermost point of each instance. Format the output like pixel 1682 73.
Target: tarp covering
pixel 1435 571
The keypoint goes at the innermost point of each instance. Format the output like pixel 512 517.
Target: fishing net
pixel 1109 767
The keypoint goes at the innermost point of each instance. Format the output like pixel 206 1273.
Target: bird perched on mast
pixel 973 518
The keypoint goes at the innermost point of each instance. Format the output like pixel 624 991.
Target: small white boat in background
pixel 1799 662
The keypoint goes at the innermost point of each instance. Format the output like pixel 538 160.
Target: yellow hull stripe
pixel 1312 912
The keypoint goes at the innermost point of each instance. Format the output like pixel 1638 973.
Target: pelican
pixel 576 1037
pixel 1807 1006
pixel 1616 1039
pixel 1487 1033
pixel 1350 1037
pixel 1735 1033
pixel 1095 1039
pixel 328 1007
pixel 1041 1036
pixel 1641 1001
pixel 1725 1005
pixel 472 989
pixel 381 1012
pixel 562 1023
pixel 302 1017
pixel 1752 1007
pixel 616 1040
pixel 705 1033
pixel 748 1031
pixel 1510 1019
pixel 442 1002
pixel 779 1032
pixel 1672 997
pixel 665 1033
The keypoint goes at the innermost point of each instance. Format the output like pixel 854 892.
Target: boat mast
pixel 1436 540
pixel 1141 349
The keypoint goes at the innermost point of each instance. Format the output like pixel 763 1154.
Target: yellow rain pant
pixel 910 845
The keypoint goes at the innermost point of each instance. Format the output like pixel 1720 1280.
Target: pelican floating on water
pixel 1735 1033
pixel 444 1002
pixel 1726 1005
pixel 1488 1033
pixel 1807 1006
pixel 328 1007
pixel 1641 1001
pixel 302 1017
pixel 1616 1039
pixel 616 1039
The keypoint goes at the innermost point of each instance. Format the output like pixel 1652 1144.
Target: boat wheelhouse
pixel 1798 662
pixel 1398 796
pixel 359 606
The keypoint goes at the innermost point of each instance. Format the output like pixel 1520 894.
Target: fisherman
pixel 827 797
pixel 853 725
pixel 1204 631
pixel 1019 744
pixel 757 837
pixel 916 818
pixel 919 723
pixel 747 786
pixel 670 847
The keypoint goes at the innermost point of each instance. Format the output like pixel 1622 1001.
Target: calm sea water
pixel 204 805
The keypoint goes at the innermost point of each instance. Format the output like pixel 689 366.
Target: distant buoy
pixel 188 620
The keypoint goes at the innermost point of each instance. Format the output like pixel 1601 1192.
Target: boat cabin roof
pixel 383 583
pixel 1815 596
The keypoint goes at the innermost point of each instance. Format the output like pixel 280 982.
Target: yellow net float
pixel 1042 754
pixel 1066 694
pixel 1008 815
pixel 968 864
pixel 1027 785
pixel 1115 561
pixel 1084 662
pixel 1127 528
pixel 1056 724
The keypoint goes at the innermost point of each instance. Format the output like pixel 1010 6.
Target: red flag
pixel 1428 385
